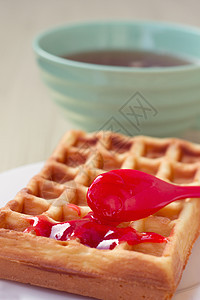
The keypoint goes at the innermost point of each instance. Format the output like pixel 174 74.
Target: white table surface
pixel 30 125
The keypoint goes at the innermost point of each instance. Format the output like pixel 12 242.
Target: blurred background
pixel 30 125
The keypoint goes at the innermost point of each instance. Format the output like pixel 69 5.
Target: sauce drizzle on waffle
pixel 90 232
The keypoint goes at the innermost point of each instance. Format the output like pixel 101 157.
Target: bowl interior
pixel 147 36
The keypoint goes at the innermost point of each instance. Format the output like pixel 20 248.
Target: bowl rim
pixel 82 65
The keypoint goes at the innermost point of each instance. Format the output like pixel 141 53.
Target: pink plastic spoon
pixel 125 195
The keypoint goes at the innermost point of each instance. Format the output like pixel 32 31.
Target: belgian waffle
pixel 143 271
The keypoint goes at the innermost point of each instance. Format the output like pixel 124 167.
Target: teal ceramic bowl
pixel 159 101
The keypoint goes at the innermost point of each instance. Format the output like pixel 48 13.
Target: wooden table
pixel 30 125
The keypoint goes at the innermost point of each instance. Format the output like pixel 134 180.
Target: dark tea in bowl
pixel 129 58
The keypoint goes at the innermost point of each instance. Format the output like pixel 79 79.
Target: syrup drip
pixel 75 207
pixel 90 232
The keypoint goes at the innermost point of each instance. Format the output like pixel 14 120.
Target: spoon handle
pixel 182 192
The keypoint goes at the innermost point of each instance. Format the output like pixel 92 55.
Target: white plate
pixel 10 183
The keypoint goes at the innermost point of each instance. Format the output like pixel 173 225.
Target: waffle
pixel 142 271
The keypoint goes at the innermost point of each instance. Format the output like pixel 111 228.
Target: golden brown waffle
pixel 144 271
